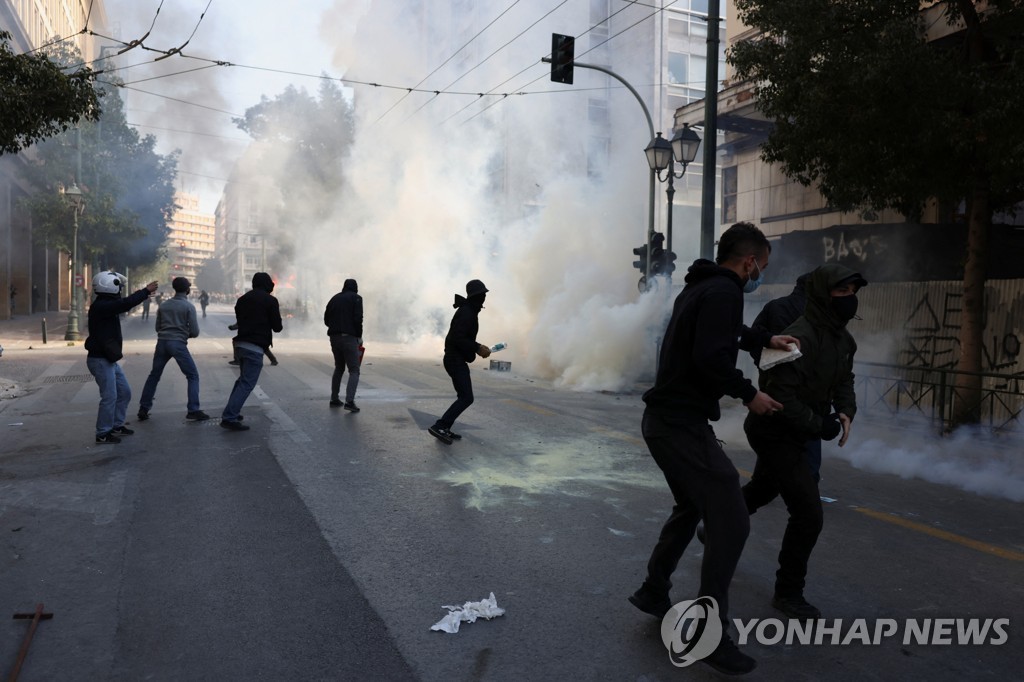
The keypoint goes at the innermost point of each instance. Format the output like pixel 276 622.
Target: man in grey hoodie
pixel 176 323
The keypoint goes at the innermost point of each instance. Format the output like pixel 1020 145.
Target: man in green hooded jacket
pixel 816 391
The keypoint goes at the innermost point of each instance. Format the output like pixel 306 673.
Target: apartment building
pixel 190 240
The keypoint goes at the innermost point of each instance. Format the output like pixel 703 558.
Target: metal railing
pixel 895 391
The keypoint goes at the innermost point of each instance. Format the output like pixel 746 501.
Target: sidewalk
pixel 24 331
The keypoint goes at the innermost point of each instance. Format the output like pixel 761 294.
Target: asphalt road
pixel 322 545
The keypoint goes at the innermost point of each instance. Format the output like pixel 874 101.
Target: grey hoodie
pixel 176 319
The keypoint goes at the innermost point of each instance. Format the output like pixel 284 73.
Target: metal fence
pixel 900 392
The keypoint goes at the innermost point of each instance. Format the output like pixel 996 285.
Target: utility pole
pixel 707 214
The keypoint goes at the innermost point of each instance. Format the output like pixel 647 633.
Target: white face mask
pixel 752 284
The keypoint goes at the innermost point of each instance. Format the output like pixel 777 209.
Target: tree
pixel 875 114
pixel 301 141
pixel 211 276
pixel 128 187
pixel 48 100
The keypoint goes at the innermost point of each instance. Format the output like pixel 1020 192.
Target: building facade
pixel 34 277
pixel 190 240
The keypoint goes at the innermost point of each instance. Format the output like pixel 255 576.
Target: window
pixel 729 192
pixel 597 111
pixel 677 72
pixel 678 28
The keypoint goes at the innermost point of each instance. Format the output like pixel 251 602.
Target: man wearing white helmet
pixel 104 345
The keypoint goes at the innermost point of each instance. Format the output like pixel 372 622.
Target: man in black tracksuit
pixel 344 319
pixel 810 388
pixel 775 316
pixel 460 349
pixel 697 366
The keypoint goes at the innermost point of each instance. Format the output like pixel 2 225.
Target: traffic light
pixel 662 261
pixel 562 48
pixel 641 264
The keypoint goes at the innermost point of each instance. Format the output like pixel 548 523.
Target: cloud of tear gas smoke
pixel 424 210
pixel 251 34
pixel 958 461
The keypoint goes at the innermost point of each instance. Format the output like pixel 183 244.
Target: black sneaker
pixel 648 601
pixel 443 435
pixel 107 438
pixel 701 535
pixel 336 403
pixel 454 436
pixel 234 362
pixel 197 416
pixel 728 659
pixel 122 430
pixel 143 414
pixel 351 407
pixel 233 426
pixel 796 607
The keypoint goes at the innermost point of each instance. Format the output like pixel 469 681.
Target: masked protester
pixel 105 349
pixel 697 366
pixel 344 319
pixel 817 394
pixel 460 349
pixel 258 316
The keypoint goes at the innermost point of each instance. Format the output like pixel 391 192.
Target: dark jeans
pixel 782 469
pixel 705 485
pixel 813 448
pixel 165 350
pixel 345 348
pixel 458 370
pixel 249 368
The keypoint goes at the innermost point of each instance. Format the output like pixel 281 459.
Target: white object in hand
pixel 771 357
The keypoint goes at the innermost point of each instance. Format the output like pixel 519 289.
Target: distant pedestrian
pixel 176 323
pixel 344 319
pixel 104 344
pixel 204 300
pixel 14 292
pixel 258 316
pixel 35 298
pixel 460 349
pixel 145 309
pixel 696 367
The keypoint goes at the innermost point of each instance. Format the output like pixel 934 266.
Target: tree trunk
pixel 967 387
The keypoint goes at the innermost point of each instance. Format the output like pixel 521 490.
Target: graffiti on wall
pixel 932 331
pixel 843 249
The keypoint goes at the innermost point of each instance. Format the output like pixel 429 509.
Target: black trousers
pixel 705 485
pixel 458 370
pixel 782 469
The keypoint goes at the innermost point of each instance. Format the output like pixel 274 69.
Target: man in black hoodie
pixel 344 319
pixel 105 349
pixel 460 349
pixel 258 316
pixel 697 366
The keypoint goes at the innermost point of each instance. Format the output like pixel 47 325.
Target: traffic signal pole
pixel 650 126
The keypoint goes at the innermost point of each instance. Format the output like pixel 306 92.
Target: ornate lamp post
pixel 662 156
pixel 74 197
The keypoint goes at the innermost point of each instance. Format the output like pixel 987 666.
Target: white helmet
pixel 108 282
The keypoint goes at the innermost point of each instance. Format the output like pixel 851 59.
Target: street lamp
pixel 73 196
pixel 662 155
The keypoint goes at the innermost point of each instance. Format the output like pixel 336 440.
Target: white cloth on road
pixel 468 612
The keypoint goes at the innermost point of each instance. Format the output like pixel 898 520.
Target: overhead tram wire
pixel 603 42
pixel 531 66
pixel 441 65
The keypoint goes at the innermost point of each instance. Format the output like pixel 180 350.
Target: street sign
pixel 79 280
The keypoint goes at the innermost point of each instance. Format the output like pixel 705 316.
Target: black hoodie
pixel 697 365
pixel 258 314
pixel 461 339
pixel 344 312
pixel 105 323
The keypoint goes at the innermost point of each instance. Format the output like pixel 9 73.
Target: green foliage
pixel 878 116
pixel 128 188
pixel 40 99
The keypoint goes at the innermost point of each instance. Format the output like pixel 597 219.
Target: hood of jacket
pixel 262 280
pixel 704 269
pixel 350 285
pixel 475 302
pixel 819 294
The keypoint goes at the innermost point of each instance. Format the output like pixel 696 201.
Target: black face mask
pixel 845 307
